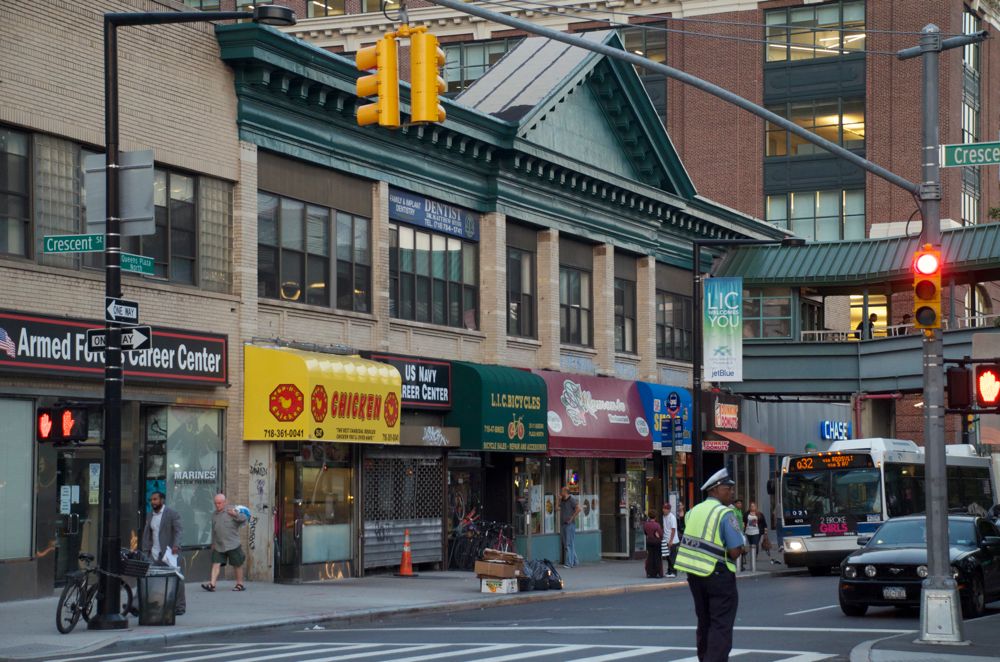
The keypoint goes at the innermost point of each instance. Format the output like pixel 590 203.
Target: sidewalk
pixel 28 629
pixel 984 632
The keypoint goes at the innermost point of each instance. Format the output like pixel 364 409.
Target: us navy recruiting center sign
pixel 57 346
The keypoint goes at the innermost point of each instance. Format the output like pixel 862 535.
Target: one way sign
pixel 135 339
pixel 121 310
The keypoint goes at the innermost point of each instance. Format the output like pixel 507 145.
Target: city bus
pixel 827 499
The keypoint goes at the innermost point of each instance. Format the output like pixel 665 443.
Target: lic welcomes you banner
pixel 722 337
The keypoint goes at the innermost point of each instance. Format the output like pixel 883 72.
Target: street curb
pixel 368 615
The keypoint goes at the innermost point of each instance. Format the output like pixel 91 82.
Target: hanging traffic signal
pixel 426 59
pixel 927 288
pixel 987 385
pixel 61 424
pixel 383 57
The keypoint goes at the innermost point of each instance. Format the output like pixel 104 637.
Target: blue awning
pixel 668 410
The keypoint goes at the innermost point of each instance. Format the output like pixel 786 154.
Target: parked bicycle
pixel 472 538
pixel 79 597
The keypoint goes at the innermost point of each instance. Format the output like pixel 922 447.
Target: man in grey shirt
pixel 569 508
pixel 226 549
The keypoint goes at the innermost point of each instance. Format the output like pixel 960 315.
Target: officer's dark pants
pixel 715 602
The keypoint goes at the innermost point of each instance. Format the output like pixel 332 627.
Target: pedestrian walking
pixel 680 518
pixel 569 508
pixel 654 541
pixel 711 543
pixel 162 534
pixel 755 528
pixel 226 548
pixel 738 508
pixel 671 538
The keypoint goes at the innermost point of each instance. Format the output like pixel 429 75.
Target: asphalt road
pixel 791 618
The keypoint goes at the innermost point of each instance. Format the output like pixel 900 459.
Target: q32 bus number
pixel 804 464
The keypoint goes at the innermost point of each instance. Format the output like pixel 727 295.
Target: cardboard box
pixel 496 569
pixel 499 585
pixel 507 557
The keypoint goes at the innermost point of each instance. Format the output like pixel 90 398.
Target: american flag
pixel 7 345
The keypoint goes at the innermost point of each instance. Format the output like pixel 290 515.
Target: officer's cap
pixel 720 477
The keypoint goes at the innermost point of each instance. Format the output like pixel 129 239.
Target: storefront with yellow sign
pixel 306 415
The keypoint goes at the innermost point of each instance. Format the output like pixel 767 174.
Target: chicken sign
pixel 349 399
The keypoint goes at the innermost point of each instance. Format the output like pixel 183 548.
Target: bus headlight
pixel 922 571
pixel 850 572
pixel 870 571
pixel 794 544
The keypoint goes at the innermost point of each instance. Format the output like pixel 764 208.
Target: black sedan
pixel 892 565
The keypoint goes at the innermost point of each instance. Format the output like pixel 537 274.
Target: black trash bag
pixel 555 580
pixel 525 584
pixel 538 573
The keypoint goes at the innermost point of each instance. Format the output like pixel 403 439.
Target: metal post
pixel 108 601
pixel 697 360
pixel 940 617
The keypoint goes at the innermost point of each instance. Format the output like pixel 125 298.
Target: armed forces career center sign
pixel 57 346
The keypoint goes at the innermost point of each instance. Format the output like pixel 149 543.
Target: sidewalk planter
pixel 158 597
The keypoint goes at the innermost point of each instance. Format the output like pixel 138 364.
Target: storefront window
pixel 183 460
pixel 581 478
pixel 16 457
pixel 529 496
pixel 326 514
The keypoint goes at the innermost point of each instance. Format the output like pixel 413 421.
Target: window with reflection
pixel 204 5
pixel 673 326
pixel 625 316
pixel 467 62
pixel 649 41
pixel 819 215
pixel 767 313
pixel 575 305
pixel 841 121
pixel 301 246
pixel 368 6
pixel 174 246
pixel 15 194
pixel 815 31
pixel 317 8
pixel 520 293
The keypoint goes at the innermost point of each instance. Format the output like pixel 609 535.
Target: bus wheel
pixel 819 570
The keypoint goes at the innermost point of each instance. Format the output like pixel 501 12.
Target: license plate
pixel 893 592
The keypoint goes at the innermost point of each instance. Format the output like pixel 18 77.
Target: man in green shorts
pixel 226 549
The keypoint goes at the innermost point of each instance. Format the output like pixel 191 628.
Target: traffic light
pixel 958 386
pixel 383 57
pixel 927 288
pixel 61 424
pixel 987 385
pixel 426 59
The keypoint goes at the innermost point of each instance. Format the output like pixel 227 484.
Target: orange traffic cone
pixel 406 563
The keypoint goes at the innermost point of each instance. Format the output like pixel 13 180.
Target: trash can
pixel 158 596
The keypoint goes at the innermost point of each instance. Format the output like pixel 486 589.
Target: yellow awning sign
pixel 292 394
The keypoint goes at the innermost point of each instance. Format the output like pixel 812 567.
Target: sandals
pixel 208 587
pixel 239 587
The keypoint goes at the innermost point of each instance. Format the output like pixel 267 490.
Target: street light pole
pixel 109 615
pixel 698 358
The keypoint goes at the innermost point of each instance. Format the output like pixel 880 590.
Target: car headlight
pixel 794 544
pixel 922 571
pixel 850 572
pixel 870 571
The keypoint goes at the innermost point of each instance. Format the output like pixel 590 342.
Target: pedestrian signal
pixel 383 57
pixel 927 288
pixel 61 424
pixel 958 386
pixel 987 385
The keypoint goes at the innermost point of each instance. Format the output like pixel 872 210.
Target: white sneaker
pixel 671 576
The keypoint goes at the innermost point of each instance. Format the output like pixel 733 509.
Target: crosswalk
pixel 426 652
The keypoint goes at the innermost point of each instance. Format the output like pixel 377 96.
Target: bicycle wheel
pixel 125 600
pixel 68 610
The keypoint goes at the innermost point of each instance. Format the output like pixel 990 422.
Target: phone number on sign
pixel 272 433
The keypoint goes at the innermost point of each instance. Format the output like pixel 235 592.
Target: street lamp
pixel 108 605
pixel 698 359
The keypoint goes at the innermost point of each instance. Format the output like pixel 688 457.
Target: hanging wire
pixel 691 19
pixel 689 33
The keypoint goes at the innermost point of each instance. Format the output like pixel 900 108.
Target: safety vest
pixel 701 545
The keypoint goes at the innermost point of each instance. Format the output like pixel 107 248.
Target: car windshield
pixel 898 533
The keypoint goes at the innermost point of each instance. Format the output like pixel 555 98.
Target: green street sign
pixel 139 264
pixel 73 243
pixel 972 154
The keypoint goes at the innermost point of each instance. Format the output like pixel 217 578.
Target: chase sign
pixel 834 430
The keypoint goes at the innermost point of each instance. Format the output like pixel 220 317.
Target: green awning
pixel 971 254
pixel 498 409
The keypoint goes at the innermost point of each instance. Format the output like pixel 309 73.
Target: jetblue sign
pixel 433 215
pixel 834 430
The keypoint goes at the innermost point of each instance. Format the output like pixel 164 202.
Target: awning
pixel 294 395
pixel 498 408
pixel 734 442
pixel 595 417
pixel 989 435
pixel 668 412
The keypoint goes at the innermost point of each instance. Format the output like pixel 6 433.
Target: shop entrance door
pixel 78 507
pixel 288 520
pixel 615 516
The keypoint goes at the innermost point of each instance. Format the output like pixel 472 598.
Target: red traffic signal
pixel 927 288
pixel 987 385
pixel 61 424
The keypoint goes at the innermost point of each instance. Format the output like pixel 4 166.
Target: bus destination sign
pixel 831 461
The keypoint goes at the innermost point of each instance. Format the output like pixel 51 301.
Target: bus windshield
pixel 808 495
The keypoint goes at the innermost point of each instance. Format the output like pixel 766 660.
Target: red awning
pixel 735 442
pixel 595 417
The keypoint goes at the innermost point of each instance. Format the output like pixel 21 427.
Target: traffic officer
pixel 712 541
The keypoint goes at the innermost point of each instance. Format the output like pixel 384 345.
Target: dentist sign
pixel 723 330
